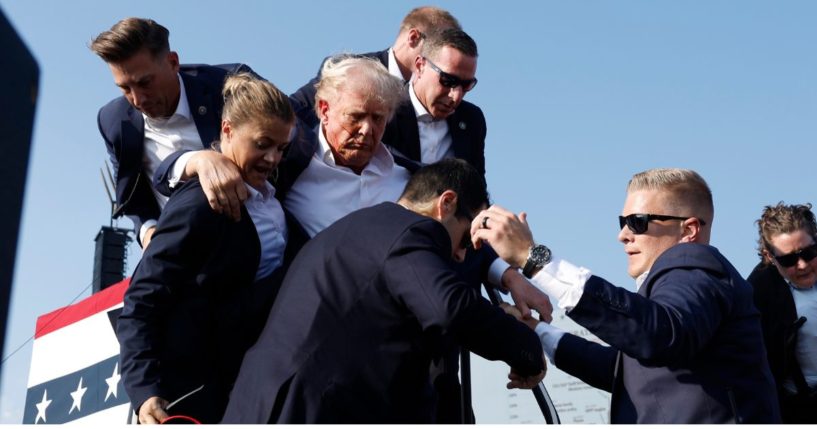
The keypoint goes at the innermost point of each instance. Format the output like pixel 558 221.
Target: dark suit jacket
pixel 123 130
pixel 779 320
pixel 466 125
pixel 359 317
pixel 193 307
pixel 303 100
pixel 688 344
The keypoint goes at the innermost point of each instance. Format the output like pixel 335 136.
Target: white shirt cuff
pixel 563 281
pixel 150 223
pixel 496 270
pixel 549 335
pixel 178 169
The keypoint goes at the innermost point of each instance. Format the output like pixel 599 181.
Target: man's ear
pixel 447 204
pixel 173 60
pixel 418 62
pixel 767 257
pixel 691 230
pixel 415 38
pixel 323 111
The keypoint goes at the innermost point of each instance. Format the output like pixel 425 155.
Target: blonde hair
pixel 346 72
pixel 429 19
pixel 248 98
pixel 687 192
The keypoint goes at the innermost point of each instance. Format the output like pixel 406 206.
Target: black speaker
pixel 110 256
pixel 19 77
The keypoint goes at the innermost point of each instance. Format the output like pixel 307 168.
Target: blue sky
pixel 578 96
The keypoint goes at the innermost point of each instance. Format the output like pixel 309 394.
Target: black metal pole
pixel 540 392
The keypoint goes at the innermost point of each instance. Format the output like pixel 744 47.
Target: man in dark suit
pixel 165 107
pixel 687 347
pixel 398 59
pixel 433 121
pixel 365 306
pixel 784 289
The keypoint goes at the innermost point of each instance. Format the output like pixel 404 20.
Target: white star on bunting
pixel 77 397
pixel 41 407
pixel 112 381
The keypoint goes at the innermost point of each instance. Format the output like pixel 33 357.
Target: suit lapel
pixel 407 130
pixel 203 108
pixel 383 56
pixel 133 145
pixel 458 128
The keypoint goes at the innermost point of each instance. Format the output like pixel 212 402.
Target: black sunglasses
pixel 448 80
pixel 790 260
pixel 638 222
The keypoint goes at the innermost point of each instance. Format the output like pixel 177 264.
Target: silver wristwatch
pixel 538 256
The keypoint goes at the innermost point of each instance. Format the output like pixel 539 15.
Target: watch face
pixel 541 254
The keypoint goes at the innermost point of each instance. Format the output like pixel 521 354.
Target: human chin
pixel 256 177
pixel 805 280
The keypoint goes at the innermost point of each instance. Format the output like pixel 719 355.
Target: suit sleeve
pixel 591 362
pixel 141 204
pixel 186 233
pixel 161 178
pixel 419 277
pixel 682 314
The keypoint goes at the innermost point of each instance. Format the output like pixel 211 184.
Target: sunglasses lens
pixel 809 253
pixel 787 260
pixel 636 222
pixel 449 81
pixel 790 260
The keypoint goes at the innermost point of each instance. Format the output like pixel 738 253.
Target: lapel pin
pixel 462 125
pixel 202 110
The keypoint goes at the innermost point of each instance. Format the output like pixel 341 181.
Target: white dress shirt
pixel 164 137
pixel 435 140
pixel 564 282
pixel 270 223
pixel 325 191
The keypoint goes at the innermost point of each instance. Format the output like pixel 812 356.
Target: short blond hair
pixel 686 191
pixel 430 19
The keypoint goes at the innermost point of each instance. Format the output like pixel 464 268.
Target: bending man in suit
pixel 203 289
pixel 687 347
pixel 785 291
pixel 363 309
pixel 165 107
pixel 399 59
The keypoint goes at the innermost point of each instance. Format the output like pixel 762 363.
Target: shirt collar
pixel 419 109
pixel 640 279
pixel 263 195
pixel 394 69
pixel 382 161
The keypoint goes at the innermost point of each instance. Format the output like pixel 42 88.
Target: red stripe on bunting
pixel 95 303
